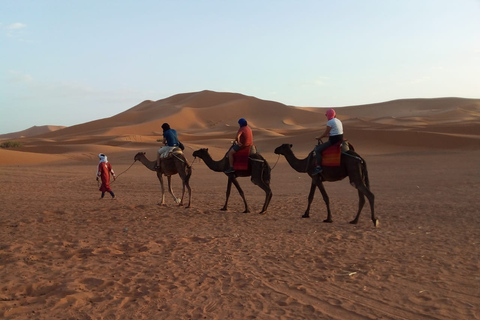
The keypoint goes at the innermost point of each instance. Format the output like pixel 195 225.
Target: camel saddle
pixel 168 153
pixel 332 155
pixel 240 158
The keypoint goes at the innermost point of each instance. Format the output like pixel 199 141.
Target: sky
pixel 71 62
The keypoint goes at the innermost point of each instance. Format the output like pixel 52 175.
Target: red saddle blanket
pixel 240 159
pixel 331 156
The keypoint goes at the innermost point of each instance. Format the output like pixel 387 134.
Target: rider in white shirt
pixel 334 132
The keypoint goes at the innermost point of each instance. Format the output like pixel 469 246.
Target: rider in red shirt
pixel 243 140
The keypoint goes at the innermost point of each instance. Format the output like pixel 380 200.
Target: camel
pixel 168 167
pixel 351 165
pixel 258 170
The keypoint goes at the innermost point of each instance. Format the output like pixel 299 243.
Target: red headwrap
pixel 330 114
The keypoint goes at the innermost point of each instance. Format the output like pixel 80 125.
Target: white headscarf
pixel 103 157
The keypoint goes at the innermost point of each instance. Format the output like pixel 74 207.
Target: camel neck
pixel 300 165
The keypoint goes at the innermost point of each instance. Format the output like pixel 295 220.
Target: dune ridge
pixel 206 116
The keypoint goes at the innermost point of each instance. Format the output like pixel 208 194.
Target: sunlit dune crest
pixel 209 118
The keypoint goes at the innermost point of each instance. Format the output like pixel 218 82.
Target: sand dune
pixel 30 132
pixel 206 116
pixel 66 254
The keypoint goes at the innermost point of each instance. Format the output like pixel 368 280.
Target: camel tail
pixel 265 167
pixel 365 174
pixel 266 172
pixel 188 169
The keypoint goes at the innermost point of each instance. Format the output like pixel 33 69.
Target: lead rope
pixel 124 171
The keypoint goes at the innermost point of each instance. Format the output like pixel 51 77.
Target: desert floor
pixel 65 254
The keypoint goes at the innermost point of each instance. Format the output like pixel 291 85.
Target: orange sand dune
pixel 211 118
pixel 33 131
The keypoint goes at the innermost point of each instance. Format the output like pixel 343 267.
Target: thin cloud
pixel 15 26
pixel 13 30
pixel 420 80
pixel 19 77
pixel 318 82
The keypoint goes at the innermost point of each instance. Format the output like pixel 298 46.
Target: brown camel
pixel 168 167
pixel 258 170
pixel 351 165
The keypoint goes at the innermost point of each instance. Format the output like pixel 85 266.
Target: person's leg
pixel 318 154
pixel 158 158
pixel 230 161
pixel 231 152
pixel 112 194
pixel 103 195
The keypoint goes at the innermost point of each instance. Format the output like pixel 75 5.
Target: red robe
pixel 104 170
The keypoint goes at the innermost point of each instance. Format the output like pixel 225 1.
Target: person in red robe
pixel 243 140
pixel 103 172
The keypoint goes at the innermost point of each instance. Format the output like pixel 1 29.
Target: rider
pixel 334 132
pixel 170 139
pixel 243 140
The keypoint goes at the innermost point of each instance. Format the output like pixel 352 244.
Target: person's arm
pixel 238 138
pixel 325 134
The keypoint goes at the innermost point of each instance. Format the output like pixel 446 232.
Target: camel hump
pixel 177 150
pixel 345 146
pixel 256 157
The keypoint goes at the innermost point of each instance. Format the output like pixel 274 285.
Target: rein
pixel 278 158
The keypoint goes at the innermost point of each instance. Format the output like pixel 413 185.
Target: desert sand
pixel 66 254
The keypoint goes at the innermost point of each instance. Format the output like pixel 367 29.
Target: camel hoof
pixel 376 223
pixel 246 211
pixel 354 222
pixel 328 220
pixel 262 212
pixel 306 216
pixel 224 209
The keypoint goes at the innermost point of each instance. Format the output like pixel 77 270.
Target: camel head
pixel 138 156
pixel 283 149
pixel 200 153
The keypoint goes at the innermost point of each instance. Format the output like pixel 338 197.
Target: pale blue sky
pixel 70 62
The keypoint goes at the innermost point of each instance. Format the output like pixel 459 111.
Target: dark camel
pixel 351 165
pixel 168 167
pixel 258 169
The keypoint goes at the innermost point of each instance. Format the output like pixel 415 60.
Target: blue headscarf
pixel 242 122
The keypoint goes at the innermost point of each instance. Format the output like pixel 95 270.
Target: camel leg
pixel 183 193
pixel 326 200
pixel 169 179
pixel 229 188
pixel 187 184
pixel 361 203
pixel 310 199
pixel 160 178
pixel 240 191
pixel 183 189
pixel 268 196
pixel 363 192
